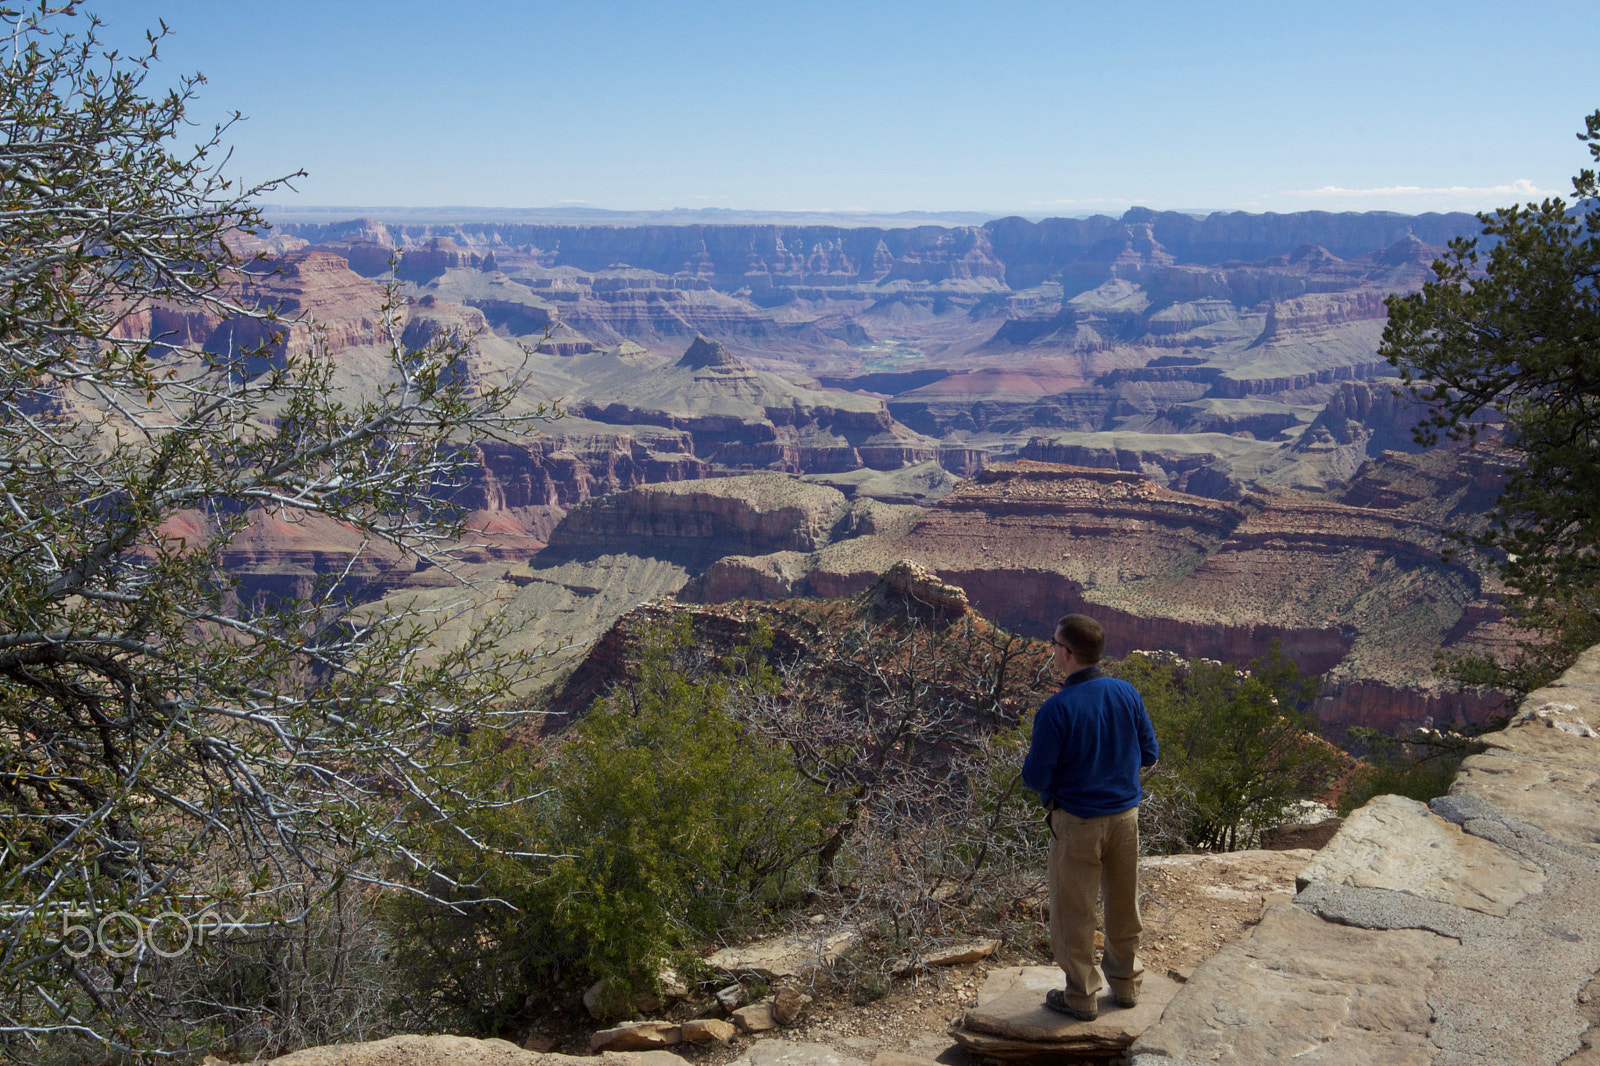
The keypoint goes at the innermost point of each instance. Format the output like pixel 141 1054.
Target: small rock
pixel 617 1058
pixel 672 986
pixel 636 1036
pixel 605 1001
pixel 788 1004
pixel 1311 835
pixel 707 1030
pixel 957 954
pixel 756 1018
pixel 538 1042
pixel 731 998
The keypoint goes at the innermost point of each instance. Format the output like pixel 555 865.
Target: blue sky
pixel 1031 108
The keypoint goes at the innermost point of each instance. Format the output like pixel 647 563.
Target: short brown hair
pixel 1084 637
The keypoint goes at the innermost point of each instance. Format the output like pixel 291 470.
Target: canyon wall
pixel 1013 250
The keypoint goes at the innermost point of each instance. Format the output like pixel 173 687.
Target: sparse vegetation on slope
pixel 846 765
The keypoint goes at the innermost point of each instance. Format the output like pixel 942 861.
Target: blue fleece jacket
pixel 1089 741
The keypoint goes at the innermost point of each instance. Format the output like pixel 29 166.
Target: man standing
pixel 1090 741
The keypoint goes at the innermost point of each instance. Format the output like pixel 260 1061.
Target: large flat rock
pixel 1550 729
pixel 1011 1020
pixel 1302 990
pixel 1398 844
pixel 1560 798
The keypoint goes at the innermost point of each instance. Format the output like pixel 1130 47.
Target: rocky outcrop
pixel 564 469
pixel 908 579
pixel 300 287
pixel 750 515
pixel 777 576
pixel 436 256
pixel 1453 933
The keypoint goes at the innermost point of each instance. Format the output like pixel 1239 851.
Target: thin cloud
pixel 1080 203
pixel 1521 189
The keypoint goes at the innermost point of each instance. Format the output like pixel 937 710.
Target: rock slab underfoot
pixel 1011 1021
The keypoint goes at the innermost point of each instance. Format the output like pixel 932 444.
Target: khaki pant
pixel 1089 856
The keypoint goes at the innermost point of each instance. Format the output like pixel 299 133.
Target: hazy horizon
pixel 576 214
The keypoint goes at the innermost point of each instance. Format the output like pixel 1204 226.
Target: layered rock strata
pixel 742 418
pixel 1361 594
pixel 1021 252
pixel 983 339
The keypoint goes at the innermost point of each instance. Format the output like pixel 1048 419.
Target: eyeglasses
pixel 1060 645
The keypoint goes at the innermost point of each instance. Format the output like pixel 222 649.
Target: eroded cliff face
pixel 303 287
pixel 758 257
pixel 565 468
pixel 751 515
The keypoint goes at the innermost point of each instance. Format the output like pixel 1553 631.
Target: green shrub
pixel 1419 766
pixel 662 822
pixel 1238 747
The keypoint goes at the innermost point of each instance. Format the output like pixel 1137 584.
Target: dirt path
pixel 1192 904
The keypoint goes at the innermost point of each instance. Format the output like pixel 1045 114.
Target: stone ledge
pixel 1398 844
pixel 1458 935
